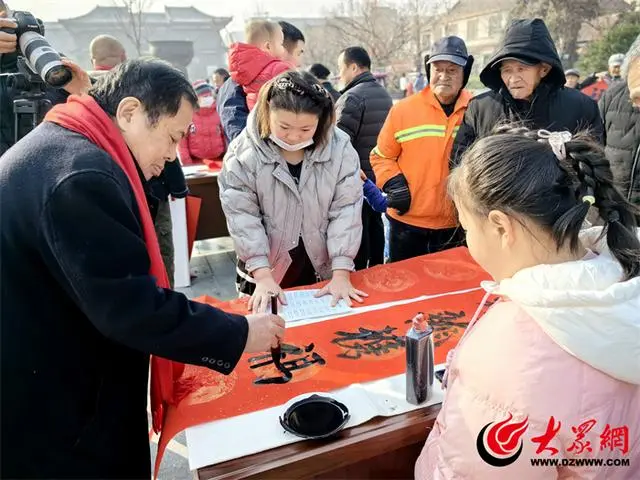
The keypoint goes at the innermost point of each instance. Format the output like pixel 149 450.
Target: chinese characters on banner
pixel 611 439
pixel 304 357
pixel 324 356
pixel 370 342
pixel 500 443
pixel 333 354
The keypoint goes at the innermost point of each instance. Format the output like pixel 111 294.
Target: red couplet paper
pixel 449 271
pixel 335 353
pixel 193 215
pixel 215 165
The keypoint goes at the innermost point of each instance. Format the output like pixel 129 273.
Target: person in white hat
pixel 611 76
pixel 573 78
pixel 615 64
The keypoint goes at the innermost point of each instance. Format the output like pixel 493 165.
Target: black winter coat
pixel 80 315
pixel 552 107
pixel 328 86
pixel 622 130
pixel 361 111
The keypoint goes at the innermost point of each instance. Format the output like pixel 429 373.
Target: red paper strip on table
pixel 192 205
pixel 329 355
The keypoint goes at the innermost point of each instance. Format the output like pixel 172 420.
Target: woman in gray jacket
pixel 291 191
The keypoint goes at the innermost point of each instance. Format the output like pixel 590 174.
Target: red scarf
pixel 83 115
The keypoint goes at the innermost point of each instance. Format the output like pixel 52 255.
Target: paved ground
pixel 213 263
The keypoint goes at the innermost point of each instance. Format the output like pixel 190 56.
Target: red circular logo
pixel 500 443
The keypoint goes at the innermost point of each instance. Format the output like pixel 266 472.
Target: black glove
pixel 398 194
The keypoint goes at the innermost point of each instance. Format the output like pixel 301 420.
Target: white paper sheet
pixel 333 314
pixel 190 170
pixel 196 171
pixel 181 275
pixel 230 438
pixel 302 305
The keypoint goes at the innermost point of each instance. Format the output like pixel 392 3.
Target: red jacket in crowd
pixel 205 139
pixel 251 68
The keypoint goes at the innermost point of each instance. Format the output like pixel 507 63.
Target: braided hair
pixel 516 171
pixel 297 92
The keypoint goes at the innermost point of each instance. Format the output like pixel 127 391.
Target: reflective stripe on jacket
pixel 416 140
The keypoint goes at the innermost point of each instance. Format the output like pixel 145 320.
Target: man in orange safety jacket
pixel 411 158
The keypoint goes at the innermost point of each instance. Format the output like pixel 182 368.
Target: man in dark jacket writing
pixel 361 112
pixel 527 80
pixel 84 294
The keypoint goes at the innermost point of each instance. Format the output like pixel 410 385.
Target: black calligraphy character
pixel 287 367
pixel 368 342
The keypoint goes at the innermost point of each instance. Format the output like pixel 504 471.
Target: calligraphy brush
pixel 276 352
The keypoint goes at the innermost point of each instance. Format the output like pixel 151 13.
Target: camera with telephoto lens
pixel 41 57
pixel 39 68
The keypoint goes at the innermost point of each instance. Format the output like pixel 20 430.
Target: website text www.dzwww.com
pixel 580 462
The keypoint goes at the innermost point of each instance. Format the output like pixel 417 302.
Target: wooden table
pixel 212 222
pixel 383 448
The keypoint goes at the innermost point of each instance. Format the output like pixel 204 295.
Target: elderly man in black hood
pixel 527 86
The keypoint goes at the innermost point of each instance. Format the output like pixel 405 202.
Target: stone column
pixel 178 53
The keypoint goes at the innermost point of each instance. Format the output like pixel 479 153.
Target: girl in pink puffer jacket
pixel 546 384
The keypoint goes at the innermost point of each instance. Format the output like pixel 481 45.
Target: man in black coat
pixel 361 111
pixel 527 81
pixel 80 311
pixel 620 107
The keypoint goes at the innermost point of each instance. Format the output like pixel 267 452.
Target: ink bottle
pixel 420 367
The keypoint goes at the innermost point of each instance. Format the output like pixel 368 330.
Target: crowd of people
pixel 518 174
pixel 612 75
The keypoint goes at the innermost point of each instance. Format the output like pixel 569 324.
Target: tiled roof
pixel 107 14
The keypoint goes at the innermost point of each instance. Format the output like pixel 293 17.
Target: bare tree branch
pixel 564 20
pixel 379 27
pixel 396 34
pixel 422 15
pixel 132 21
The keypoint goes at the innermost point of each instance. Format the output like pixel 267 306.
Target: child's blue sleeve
pixel 374 196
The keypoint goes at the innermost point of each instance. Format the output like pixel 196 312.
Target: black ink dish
pixel 315 417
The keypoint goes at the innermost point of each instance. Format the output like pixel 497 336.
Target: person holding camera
pixel 71 78
pixel 8 41
pixel 85 297
pixel 8 57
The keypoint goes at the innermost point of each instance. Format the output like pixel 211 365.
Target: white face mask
pixel 290 148
pixel 205 102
